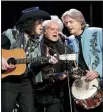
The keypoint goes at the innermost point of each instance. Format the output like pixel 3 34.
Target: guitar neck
pixel 30 60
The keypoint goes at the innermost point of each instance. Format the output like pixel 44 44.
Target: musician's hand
pixel 75 76
pixel 53 60
pixel 4 64
pixel 90 75
pixel 62 77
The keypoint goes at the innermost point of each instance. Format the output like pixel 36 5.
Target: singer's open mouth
pixel 55 35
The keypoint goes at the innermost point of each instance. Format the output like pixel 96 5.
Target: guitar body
pixel 19 69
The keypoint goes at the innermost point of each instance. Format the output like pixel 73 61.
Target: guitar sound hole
pixel 12 61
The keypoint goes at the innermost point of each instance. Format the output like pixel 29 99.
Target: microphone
pixel 62 36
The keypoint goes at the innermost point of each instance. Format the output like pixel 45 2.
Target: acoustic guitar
pixel 17 58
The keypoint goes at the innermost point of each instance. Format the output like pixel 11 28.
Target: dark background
pixel 11 10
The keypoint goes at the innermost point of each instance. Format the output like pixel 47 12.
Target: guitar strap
pixel 19 42
pixel 27 45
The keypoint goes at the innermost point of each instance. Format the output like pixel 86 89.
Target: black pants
pixel 47 102
pixel 49 108
pixel 25 101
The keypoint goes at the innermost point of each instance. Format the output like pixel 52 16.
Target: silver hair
pixel 58 21
pixel 56 18
pixel 77 15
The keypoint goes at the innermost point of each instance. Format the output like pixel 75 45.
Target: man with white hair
pixel 53 76
pixel 87 44
pixel 62 37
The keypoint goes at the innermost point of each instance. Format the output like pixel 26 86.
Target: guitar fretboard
pixel 30 60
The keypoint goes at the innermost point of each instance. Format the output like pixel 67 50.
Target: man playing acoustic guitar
pixel 17 89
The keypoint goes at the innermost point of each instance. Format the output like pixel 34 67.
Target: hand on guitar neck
pixel 14 61
pixel 53 59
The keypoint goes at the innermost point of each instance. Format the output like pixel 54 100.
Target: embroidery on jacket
pixel 94 50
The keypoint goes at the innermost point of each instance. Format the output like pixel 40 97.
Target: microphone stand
pixel 64 39
pixel 66 68
pixel 68 77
